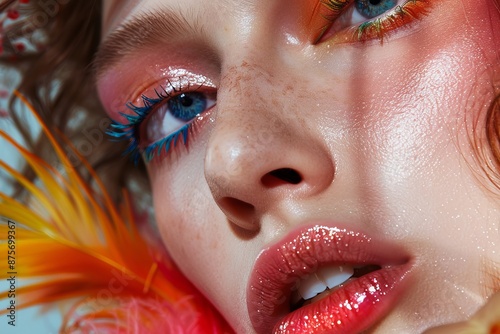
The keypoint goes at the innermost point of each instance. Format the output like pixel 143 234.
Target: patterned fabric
pixel 14 13
pixel 13 16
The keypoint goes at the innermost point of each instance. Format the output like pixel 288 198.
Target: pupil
pixel 186 101
pixel 375 2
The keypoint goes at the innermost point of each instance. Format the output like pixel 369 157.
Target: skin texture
pixel 379 132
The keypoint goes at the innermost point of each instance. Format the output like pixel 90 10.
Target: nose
pixel 263 149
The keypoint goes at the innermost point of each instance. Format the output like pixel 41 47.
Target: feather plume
pixel 78 249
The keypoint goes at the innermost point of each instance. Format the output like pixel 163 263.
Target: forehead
pixel 116 12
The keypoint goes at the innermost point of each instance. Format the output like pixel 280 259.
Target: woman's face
pixel 316 149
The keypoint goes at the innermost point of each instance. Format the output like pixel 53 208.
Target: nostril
pixel 237 210
pixel 281 176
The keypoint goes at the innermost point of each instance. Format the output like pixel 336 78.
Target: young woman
pixel 316 166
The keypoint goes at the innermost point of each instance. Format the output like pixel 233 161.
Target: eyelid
pixel 378 28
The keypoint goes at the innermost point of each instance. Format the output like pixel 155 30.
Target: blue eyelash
pixel 166 143
pixel 130 131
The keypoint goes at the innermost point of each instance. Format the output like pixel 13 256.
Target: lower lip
pixel 353 308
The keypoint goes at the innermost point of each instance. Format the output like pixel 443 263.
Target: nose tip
pixel 248 181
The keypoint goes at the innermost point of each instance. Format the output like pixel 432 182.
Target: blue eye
pixel 373 8
pixel 172 118
pixel 186 106
pixel 161 123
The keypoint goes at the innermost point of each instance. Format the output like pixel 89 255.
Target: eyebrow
pixel 145 30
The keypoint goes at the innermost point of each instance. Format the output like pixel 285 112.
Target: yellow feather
pixel 74 243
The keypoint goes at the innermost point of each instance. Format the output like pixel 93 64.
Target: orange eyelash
pixel 326 12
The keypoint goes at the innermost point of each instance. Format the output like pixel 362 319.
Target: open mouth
pixel 323 279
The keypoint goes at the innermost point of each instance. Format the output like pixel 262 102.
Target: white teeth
pixel 334 276
pixel 311 286
pixel 323 278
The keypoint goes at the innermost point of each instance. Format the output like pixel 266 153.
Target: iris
pixel 374 8
pixel 186 106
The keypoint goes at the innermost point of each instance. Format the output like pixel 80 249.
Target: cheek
pixel 196 233
pixel 418 119
pixel 419 112
pixel 183 205
pixel 197 237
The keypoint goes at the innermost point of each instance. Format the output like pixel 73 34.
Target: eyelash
pixel 131 130
pixel 376 28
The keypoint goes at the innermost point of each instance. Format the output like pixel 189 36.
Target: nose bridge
pixel 250 118
pixel 249 85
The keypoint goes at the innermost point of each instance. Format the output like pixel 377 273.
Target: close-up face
pixel 295 145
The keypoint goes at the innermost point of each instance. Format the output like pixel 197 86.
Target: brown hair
pixel 73 37
pixel 58 81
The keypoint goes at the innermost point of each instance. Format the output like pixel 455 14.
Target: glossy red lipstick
pixel 353 306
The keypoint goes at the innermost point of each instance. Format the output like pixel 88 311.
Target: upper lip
pixel 280 267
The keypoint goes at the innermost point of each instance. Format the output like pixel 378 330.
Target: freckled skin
pixel 378 133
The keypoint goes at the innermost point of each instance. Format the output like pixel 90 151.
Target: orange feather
pixel 75 247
